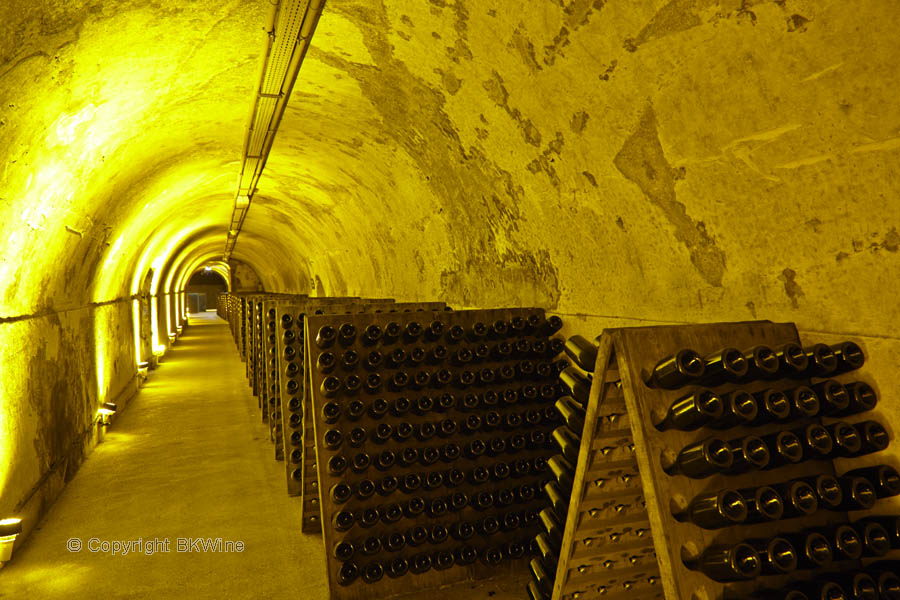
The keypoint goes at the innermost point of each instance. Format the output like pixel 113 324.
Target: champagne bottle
pixel 714 510
pixel 348 573
pixel 833 397
pixel 337 464
pixel 325 336
pixel 331 412
pixel 360 462
pixel 457 501
pixel 372 335
pixel 394 542
pixel 340 493
pixel 792 360
pixel 727 364
pixel 343 520
pixel 845 541
pixel 324 363
pixel 542 579
pixel 815 590
pixel 859 493
pixel 813 549
pixel 552 527
pixel 343 551
pixel 692 412
pixel 455 334
pixel 858 586
pixel 764 504
pixel 784 448
pixel 873 437
pixel 847 441
pixel 582 352
pixel 333 439
pixel 569 443
pixel 442 559
pixel 776 554
pixel 535 592
pixel 465 555
pixel 683 368
pixel 373 360
pixel 822 360
pixel 876 540
pixel 862 398
pixel 559 502
pixel 739 408
pixel 378 408
pixel 891 525
pixel 346 334
pixel 773 405
pixel 750 453
pixel 804 402
pixel 572 412
pixel 816 441
pixel 579 386
pixel 762 363
pixel 387 485
pixel 702 459
pixel 416 536
pixel 799 497
pixel 420 563
pixel 849 357
pixel 564 472
pixel 371 545
pixel 828 490
pixel 728 562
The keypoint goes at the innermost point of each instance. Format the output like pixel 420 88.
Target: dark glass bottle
pixel 552 527
pixel 828 490
pixel 849 357
pixel 465 555
pixel 325 336
pixel 862 398
pixel 817 442
pixel 844 540
pixel 702 459
pixel 683 368
pixel 378 408
pixel 813 549
pixel 343 520
pixel 382 433
pixel 373 360
pixel 750 453
pixel 816 589
pixel 457 501
pixel 325 362
pixel 762 362
pixel 728 562
pixel 764 504
pixel 569 443
pixel 360 462
pixel 714 510
pixel 792 361
pixel 858 586
pixel 891 524
pixel 833 397
pixel 692 412
pixel 420 563
pixel 416 536
pixel 776 554
pixel 876 540
pixel 564 472
pixel 348 573
pixel 738 408
pixel 482 500
pixel 800 499
pixel 542 579
pixel 330 386
pixel 340 492
pixel 727 364
pixel 337 464
pixel 773 406
pixel 822 360
pixel 804 402
pixel 579 386
pixel 582 352
pixel 873 437
pixel 847 441
pixel 343 551
pixel 387 485
pixel 331 412
pixel 346 334
pixel 572 412
pixel 333 439
pixel 371 545
pixel 784 448
pixel 455 334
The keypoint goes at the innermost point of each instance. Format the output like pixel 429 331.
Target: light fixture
pixel 9 529
pixel 208 269
pixel 106 410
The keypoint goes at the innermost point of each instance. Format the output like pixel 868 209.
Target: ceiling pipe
pixel 291 25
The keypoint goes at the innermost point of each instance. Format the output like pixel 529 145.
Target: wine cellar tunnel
pixel 613 163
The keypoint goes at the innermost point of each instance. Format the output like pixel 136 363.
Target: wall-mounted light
pixel 9 529
pixel 106 410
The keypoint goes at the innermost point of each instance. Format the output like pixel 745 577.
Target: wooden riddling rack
pixel 431 579
pixel 300 470
pixel 291 387
pixel 630 355
pixel 607 545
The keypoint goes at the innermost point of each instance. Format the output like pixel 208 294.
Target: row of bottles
pixel 395 540
pixel 347 334
pixel 423 562
pixel 878 581
pixel 706 408
pixel 485 405
pixel 857 489
pixel 731 365
pixel 715 455
pixel 409 483
pixel 558 490
pixel 531 360
pixel 784 553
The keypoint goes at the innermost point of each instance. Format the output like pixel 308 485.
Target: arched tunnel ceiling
pixel 590 156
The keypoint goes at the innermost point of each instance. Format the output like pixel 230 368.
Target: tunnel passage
pixel 615 163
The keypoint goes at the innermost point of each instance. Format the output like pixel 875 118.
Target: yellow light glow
pixel 154 326
pixel 169 329
pixel 136 318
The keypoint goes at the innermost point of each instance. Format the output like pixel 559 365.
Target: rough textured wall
pixel 675 160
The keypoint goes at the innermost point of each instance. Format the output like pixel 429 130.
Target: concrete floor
pixel 188 458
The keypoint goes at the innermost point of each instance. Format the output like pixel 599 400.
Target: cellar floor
pixel 187 459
